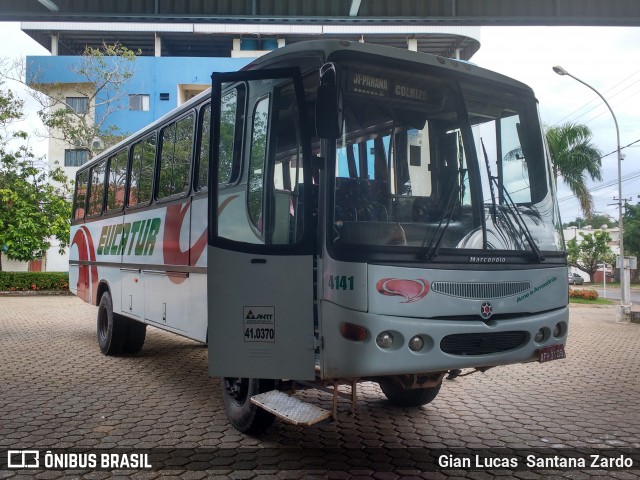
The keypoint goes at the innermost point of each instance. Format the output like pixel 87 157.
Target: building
pixel 571 233
pixel 175 63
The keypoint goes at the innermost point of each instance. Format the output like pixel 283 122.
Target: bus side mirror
pixel 328 104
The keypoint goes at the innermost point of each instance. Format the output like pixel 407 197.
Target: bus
pixel 333 213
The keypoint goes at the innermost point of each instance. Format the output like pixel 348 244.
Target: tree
pixel 631 222
pixel 77 113
pixel 591 252
pixel 32 208
pixel 573 158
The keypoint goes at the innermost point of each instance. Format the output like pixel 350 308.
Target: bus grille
pixel 480 291
pixel 482 343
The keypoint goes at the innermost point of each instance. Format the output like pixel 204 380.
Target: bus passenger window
pixel 257 162
pixel 175 161
pixel 227 129
pixel 117 177
pixel 203 156
pixel 144 156
pixel 81 195
pixel 96 191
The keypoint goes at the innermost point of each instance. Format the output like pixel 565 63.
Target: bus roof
pixel 326 49
pixel 322 51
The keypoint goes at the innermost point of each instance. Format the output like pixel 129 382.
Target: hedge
pixel 21 281
pixel 584 294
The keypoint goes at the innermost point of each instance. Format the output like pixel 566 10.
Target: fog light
pixel 539 336
pixel 557 331
pixel 384 340
pixel 416 343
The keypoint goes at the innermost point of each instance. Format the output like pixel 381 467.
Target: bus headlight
pixel 384 340
pixel 416 343
pixel 539 337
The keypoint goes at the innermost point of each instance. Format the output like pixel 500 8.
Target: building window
pixel 75 158
pixel 79 105
pixel 139 101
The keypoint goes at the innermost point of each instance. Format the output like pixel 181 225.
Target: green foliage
pixel 33 201
pixel 22 281
pixel 573 158
pixel 592 251
pixel 631 226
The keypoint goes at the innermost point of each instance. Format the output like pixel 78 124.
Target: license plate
pixel 552 352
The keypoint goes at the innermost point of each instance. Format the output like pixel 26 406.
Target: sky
pixel 607 58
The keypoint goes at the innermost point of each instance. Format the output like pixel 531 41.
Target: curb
pixel 32 293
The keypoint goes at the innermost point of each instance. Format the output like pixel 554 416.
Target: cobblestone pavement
pixel 58 392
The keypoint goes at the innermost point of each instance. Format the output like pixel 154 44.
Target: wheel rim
pixel 237 389
pixel 103 324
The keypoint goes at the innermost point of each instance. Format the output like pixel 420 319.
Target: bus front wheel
pixel 405 397
pixel 244 415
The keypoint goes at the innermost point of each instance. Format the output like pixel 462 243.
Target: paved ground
pixel 58 392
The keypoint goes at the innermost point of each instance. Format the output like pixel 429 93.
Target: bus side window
pixel 175 162
pixel 116 184
pixel 255 190
pixel 80 200
pixel 96 190
pixel 141 179
pixel 204 153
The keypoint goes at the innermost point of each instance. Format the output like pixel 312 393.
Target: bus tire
pixel 136 334
pixel 403 397
pixel 112 329
pixel 244 415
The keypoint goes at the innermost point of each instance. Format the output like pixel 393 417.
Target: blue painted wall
pixel 152 76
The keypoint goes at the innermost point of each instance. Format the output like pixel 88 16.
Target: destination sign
pixel 380 86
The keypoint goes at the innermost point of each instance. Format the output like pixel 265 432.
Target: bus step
pixel 290 409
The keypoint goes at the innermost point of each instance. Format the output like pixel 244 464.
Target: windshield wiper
pixel 432 249
pixel 511 207
pixel 491 179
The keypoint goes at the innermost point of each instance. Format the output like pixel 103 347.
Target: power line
pixel 596 100
pixel 625 178
pixel 621 148
pixel 606 111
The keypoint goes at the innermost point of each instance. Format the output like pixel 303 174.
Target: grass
pixel 597 301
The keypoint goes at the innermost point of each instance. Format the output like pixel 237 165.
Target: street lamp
pixel 625 292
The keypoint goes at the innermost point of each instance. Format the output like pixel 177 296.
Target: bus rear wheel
pixel 404 397
pixel 112 330
pixel 244 415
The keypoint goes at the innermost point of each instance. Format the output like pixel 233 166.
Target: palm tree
pixel 573 158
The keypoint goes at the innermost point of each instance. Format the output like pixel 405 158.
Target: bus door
pixel 260 256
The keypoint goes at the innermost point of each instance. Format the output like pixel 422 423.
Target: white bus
pixel 336 212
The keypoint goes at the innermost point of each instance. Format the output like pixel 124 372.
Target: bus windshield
pixel 430 164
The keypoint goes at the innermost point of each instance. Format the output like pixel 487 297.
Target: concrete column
pixel 157 45
pixel 54 45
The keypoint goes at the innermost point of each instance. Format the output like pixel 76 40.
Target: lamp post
pixel 624 308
